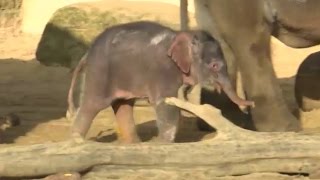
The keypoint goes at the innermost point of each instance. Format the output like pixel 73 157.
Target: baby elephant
pixel 146 60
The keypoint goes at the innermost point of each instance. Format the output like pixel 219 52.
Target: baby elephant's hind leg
pixel 87 112
pixel 123 110
pixel 167 121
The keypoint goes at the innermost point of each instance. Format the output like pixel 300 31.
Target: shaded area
pixel 35 93
pixel 229 110
pixel 147 131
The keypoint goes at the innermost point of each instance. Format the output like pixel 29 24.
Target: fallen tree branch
pixel 234 151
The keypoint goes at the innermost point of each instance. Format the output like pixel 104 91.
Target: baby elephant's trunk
pixel 230 91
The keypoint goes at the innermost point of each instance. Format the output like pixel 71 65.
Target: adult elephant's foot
pixel 274 117
pixel 77 138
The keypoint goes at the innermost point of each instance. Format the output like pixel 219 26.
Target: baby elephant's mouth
pixel 212 85
pixel 217 86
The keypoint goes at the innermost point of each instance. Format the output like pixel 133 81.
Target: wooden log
pixel 234 151
pixel 174 173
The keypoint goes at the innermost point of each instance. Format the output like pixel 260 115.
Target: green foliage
pixel 71 30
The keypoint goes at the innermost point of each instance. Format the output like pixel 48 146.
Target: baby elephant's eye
pixel 215 66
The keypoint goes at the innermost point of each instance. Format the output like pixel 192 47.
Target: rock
pixel 307 84
pixel 8 121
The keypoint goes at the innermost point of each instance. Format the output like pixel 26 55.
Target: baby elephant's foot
pixel 70 116
pixel 77 138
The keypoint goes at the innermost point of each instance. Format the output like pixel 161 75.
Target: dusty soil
pixel 38 94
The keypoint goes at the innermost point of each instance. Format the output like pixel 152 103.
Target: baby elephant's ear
pixel 181 52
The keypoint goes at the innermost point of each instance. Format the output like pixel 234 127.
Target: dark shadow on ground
pixel 287 86
pixel 228 109
pixel 34 92
pixel 187 132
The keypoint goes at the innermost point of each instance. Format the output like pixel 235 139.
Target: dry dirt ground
pixel 38 94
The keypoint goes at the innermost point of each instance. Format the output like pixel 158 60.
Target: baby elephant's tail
pixel 71 108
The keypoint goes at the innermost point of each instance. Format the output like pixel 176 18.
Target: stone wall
pixel 10 19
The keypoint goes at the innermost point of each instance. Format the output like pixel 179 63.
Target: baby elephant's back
pixel 135 51
pixel 133 36
pixel 135 45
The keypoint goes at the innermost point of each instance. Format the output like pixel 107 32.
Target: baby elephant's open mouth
pixel 217 87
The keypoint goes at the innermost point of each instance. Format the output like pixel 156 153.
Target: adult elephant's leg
pixel 243 27
pixel 167 121
pixel 206 21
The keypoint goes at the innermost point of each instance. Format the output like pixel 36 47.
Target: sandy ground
pixel 38 95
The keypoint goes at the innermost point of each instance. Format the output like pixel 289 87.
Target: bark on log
pixel 234 151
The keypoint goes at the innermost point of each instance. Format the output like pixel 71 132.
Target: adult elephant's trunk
pixel 230 92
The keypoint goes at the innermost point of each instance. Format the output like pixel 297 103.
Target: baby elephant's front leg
pixel 167 121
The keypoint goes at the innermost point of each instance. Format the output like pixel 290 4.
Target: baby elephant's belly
pixel 125 94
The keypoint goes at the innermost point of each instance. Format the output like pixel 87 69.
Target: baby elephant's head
pixel 200 58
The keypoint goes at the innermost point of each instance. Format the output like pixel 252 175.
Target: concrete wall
pixel 36 13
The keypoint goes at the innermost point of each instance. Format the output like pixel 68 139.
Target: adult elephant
pixel 244 29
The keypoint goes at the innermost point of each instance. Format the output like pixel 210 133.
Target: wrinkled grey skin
pixel 307 84
pixel 146 60
pixel 243 29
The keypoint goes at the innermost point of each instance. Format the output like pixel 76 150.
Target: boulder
pixel 307 86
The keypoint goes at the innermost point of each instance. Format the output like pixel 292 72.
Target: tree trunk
pixel 234 151
pixel 184 18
